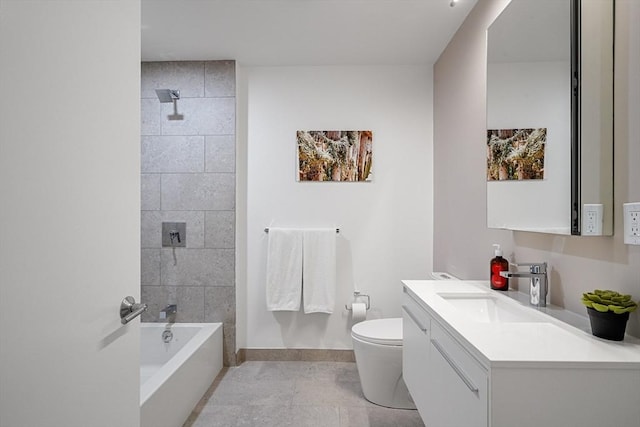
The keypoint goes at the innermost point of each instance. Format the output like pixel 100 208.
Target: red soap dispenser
pixel 498 264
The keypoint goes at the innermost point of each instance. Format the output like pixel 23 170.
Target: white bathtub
pixel 175 375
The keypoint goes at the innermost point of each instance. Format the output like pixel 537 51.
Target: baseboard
pixel 294 355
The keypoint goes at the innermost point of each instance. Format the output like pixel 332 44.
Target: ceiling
pixel 300 32
pixel 529 31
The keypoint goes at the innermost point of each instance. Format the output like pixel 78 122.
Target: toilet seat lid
pixel 379 331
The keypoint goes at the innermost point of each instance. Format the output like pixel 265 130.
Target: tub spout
pixel 169 312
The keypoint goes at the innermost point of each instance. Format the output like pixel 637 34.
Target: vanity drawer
pixel 456 380
pixel 415 313
pixel 415 352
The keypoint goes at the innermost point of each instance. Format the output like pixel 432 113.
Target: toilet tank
pixel 439 275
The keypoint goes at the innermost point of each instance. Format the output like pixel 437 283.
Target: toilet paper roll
pixel 358 312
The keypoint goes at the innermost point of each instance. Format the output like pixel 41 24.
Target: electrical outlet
pixel 592 219
pixel 631 223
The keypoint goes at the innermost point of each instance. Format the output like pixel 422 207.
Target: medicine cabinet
pixel 550 117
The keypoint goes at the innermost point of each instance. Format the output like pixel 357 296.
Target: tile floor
pixel 297 394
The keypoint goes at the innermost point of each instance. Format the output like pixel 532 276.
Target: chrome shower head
pixel 167 95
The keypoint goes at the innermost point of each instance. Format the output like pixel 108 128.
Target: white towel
pixel 284 269
pixel 319 270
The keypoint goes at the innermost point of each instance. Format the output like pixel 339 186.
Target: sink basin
pixel 489 308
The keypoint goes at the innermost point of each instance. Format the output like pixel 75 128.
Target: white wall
pixel 461 238
pixel 385 225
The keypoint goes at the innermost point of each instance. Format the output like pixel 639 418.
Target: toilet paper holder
pixel 356 296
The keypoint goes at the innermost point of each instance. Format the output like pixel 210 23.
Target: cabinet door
pixel 415 351
pixel 457 384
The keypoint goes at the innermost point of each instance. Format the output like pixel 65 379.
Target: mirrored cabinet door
pixel 547 87
pixel 595 118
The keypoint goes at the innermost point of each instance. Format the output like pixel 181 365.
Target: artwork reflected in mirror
pixel 335 155
pixel 515 154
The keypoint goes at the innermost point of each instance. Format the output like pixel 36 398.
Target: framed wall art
pixel 334 155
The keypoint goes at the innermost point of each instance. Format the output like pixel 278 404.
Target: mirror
pixel 550 117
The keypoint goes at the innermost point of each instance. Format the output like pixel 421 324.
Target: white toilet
pixel 377 345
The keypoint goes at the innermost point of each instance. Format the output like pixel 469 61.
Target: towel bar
pixel 266 230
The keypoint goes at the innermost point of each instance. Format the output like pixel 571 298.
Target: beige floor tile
pixel 376 416
pixel 296 394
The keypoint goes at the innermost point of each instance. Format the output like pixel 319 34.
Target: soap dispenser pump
pixel 497 265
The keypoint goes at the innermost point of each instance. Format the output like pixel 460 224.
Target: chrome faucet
pixel 538 281
pixel 169 312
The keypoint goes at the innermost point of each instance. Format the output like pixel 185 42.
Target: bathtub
pixel 175 375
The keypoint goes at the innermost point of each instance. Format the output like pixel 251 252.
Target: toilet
pixel 377 345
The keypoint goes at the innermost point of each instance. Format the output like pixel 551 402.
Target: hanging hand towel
pixel 319 270
pixel 284 269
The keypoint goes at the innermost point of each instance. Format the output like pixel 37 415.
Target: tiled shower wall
pixel 188 175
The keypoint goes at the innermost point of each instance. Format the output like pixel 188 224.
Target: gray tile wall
pixel 188 175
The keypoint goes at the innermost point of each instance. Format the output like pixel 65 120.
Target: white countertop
pixel 547 341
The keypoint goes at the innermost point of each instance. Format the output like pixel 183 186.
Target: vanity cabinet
pixel 448 386
pixel 461 373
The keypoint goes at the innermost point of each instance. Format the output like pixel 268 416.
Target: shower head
pixel 170 95
pixel 167 95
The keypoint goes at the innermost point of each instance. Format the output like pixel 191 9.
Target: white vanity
pixel 476 357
